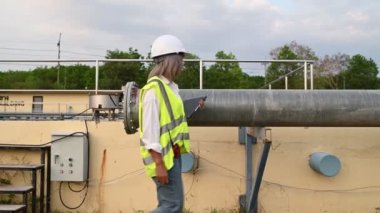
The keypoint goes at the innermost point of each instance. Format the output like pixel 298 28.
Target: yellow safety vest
pixel 173 125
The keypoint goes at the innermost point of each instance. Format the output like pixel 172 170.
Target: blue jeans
pixel 170 196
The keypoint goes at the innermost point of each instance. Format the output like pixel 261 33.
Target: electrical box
pixel 69 157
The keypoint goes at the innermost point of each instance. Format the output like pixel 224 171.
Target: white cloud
pixel 358 16
pixel 249 5
pixel 282 26
pixel 247 28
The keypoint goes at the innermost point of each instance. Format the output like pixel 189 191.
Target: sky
pixel 249 29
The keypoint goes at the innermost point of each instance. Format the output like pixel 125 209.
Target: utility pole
pixel 59 56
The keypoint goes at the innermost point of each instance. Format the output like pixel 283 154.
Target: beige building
pixel 117 182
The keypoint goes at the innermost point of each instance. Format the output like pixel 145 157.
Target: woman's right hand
pixel 161 174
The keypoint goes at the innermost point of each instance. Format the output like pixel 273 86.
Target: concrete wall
pixel 291 186
pixel 118 182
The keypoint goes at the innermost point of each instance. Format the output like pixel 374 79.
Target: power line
pixel 24 54
pixel 47 50
pixel 77 53
pixel 25 49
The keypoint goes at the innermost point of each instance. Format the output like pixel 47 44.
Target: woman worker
pixel 164 133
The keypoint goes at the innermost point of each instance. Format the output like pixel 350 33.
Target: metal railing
pixel 307 67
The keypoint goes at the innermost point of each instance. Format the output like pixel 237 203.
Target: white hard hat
pixel 166 44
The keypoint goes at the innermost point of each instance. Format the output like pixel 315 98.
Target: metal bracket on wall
pixel 248 202
pixel 246 136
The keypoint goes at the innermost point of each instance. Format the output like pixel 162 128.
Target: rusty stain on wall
pixel 102 172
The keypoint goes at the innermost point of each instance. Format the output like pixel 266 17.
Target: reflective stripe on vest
pixel 173 124
pixel 165 150
pixel 166 98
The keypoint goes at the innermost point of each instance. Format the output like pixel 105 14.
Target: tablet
pixel 192 105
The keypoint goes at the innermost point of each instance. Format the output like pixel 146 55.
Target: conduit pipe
pixel 275 108
pixel 290 108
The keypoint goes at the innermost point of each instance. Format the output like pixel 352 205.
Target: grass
pixel 6 199
pixel 5 181
pixel 213 210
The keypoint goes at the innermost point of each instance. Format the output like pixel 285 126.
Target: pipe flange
pixel 130 107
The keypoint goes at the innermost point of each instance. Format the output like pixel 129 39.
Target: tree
pixel 79 76
pixel 277 70
pixel 44 78
pixel 361 73
pixel 116 74
pixel 252 82
pixel 189 78
pixel 329 71
pixel 291 51
pixel 15 80
pixel 301 51
pixel 223 74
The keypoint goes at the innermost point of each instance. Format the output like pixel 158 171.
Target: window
pixel 37 104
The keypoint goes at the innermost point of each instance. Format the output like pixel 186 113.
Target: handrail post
pixel 286 82
pixel 305 75
pixel 311 76
pixel 200 74
pixel 96 76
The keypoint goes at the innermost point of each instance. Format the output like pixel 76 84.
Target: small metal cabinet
pixel 69 157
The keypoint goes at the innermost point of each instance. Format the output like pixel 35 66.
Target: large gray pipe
pixel 287 108
pixel 317 108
